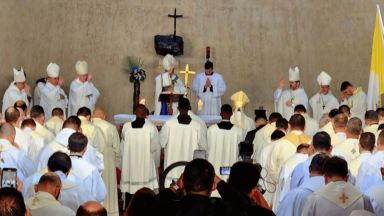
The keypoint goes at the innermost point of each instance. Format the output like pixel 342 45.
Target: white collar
pixel 61 174
pixel 27 130
pixel 352 140
pixel 365 153
pixel 63 135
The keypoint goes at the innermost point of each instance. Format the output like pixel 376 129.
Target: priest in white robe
pixel 55 123
pixel 285 101
pixel 371 119
pixel 180 137
pixel 223 140
pixel 375 194
pixel 324 101
pixel 138 165
pixel 357 100
pixel 40 83
pixel 208 87
pixel 82 92
pixel 239 101
pixel 37 114
pixel 88 173
pixel 366 146
pixel 28 126
pixel 167 82
pixel 311 124
pixel 340 129
pixel 18 90
pixel 338 197
pixel 293 202
pixel 111 157
pixel 52 95
pixel 349 149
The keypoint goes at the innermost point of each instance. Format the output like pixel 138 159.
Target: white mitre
pixel 81 67
pixel 53 70
pixel 294 75
pixel 239 100
pixel 324 79
pixel 169 62
pixel 18 76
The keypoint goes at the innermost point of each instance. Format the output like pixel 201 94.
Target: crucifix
pixel 174 28
pixel 343 197
pixel 187 72
pixel 323 106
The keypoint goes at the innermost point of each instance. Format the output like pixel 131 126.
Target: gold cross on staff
pixel 187 72
pixel 343 197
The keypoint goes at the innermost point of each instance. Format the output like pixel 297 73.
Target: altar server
pixel 52 95
pixel 209 86
pixel 324 101
pixel 357 100
pixel 366 146
pixel 57 120
pixel 82 92
pixel 285 101
pixel 239 101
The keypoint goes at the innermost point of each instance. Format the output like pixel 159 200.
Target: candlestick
pixel 200 105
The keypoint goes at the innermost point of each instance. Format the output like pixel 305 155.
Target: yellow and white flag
pixel 376 77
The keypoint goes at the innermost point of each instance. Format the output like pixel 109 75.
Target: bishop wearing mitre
pixel 285 101
pixel 324 101
pixel 239 101
pixel 167 82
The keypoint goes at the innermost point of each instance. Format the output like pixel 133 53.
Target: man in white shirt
pixel 357 101
pixel 340 129
pixel 37 114
pixel 366 146
pixel 293 202
pixel 55 123
pixel 350 147
pixel 239 101
pixel 338 197
pixel 371 119
pixel 311 124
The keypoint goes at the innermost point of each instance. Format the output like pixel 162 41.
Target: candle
pixel 208 52
pixel 200 105
pixel 142 101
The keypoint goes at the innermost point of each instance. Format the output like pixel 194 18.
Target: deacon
pixel 340 128
pixel 37 114
pixel 55 123
pixel 239 101
pixel 372 121
pixel 366 146
pixel 52 95
pixel 18 90
pixel 82 92
pixel 111 155
pixel 323 102
pixel 180 137
pixel 209 87
pixel 223 140
pixel 40 83
pixel 338 197
pixel 357 100
pixel 167 82
pixel 140 141
pixel 312 126
pixel 285 101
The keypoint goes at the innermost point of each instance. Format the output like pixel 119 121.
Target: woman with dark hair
pixel 139 199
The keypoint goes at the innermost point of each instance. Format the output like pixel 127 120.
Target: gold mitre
pixel 240 99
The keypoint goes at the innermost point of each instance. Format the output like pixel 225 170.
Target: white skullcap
pixel 18 76
pixel 81 67
pixel 168 61
pixel 324 79
pixel 53 70
pixel 294 75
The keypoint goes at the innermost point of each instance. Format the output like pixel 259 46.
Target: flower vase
pixel 136 94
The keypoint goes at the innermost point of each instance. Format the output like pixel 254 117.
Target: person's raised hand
pixel 281 83
pixel 259 199
pixel 288 103
pixel 217 179
pixel 89 79
pixel 62 97
pixel 27 88
pixel 179 182
pixel 61 81
pixel 19 184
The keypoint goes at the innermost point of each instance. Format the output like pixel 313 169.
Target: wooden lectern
pixel 170 97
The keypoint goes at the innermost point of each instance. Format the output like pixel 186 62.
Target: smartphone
pixel 8 177
pixel 200 154
pixel 175 180
pixel 225 170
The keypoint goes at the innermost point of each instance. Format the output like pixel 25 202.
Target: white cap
pixel 324 79
pixel 168 61
pixel 294 75
pixel 18 76
pixel 81 67
pixel 53 70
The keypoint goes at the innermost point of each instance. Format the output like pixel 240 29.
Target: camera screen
pixel 199 154
pixel 8 179
pixel 175 179
pixel 225 170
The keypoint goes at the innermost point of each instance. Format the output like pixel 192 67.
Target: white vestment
pixel 349 149
pixel 293 202
pixel 322 104
pixel 328 128
pixel 138 166
pixel 40 129
pixel 24 141
pixel 211 96
pixel 50 99
pixel 358 102
pixel 311 125
pixel 337 138
pixel 179 142
pixel 12 95
pixel 90 176
pixel 177 85
pixel 296 96
pixel 375 194
pixel 249 124
pixel 223 147
pixel 93 132
pixel 78 96
pixel 368 167
pixel 356 163
pixel 46 204
pixel 371 180
pixel 37 95
pixel 260 136
pixel 263 156
pixel 55 124
pixel 371 128
pixel 111 155
pixel 16 157
pixel 336 198
pixel 38 142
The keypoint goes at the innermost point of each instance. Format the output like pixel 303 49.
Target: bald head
pixel 141 111
pixel 50 183
pixel 99 113
pixel 7 131
pixel 12 115
pixel 21 104
pixel 91 208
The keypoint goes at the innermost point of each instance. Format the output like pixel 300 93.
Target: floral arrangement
pixel 133 68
